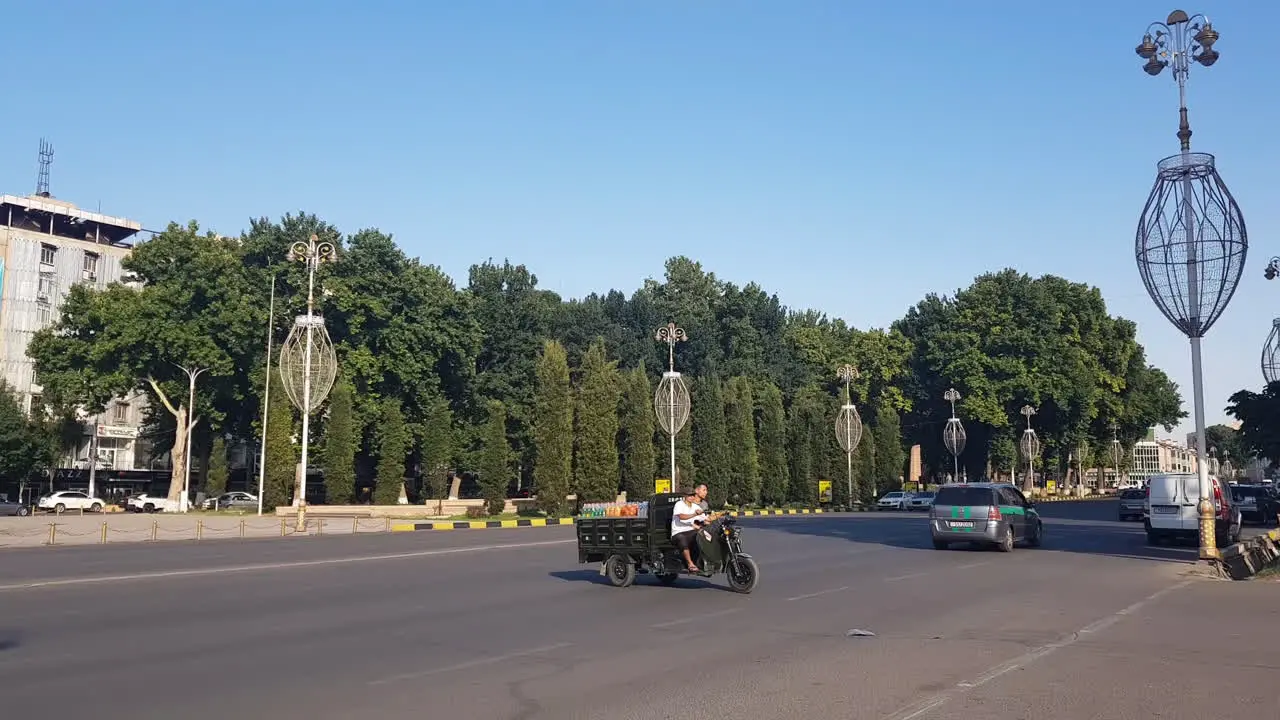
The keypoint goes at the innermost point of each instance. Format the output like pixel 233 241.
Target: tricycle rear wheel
pixel 743 574
pixel 620 570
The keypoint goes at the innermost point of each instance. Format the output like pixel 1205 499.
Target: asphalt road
pixel 506 624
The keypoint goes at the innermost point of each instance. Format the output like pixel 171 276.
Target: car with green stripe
pixel 993 514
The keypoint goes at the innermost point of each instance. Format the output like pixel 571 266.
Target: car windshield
pixel 963 496
pixel 923 495
pixel 1243 491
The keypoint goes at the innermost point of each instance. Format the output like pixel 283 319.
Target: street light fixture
pixel 1271 354
pixel 953 435
pixel 184 503
pixel 849 426
pixel 1115 452
pixel 1191 242
pixel 1030 447
pixel 671 402
pixel 1273 269
pixel 308 362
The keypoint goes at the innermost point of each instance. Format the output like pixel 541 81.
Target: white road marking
pixel 199 572
pixel 923 707
pixel 906 577
pixel 471 664
pixel 816 594
pixel 973 565
pixel 694 618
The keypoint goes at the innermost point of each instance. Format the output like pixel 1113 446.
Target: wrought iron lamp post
pixel 1030 447
pixel 671 402
pixel 1115 452
pixel 1191 241
pixel 1227 470
pixel 308 363
pixel 193 373
pixel 953 435
pixel 848 425
pixel 1271 354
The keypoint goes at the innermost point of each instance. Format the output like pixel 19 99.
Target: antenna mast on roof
pixel 46 159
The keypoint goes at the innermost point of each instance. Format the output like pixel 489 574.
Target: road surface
pixel 505 624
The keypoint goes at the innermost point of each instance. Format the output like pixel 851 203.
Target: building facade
pixel 47 246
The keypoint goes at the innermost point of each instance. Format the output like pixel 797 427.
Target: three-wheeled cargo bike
pixel 627 546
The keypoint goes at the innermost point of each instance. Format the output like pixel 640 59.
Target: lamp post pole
pixel 1030 446
pixel 184 503
pixel 671 402
pixel 849 428
pixel 953 435
pixel 266 397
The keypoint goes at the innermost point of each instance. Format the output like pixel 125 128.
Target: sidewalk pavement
pixel 114 528
pixel 1208 650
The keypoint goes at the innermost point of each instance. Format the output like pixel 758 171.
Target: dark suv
pixel 1258 503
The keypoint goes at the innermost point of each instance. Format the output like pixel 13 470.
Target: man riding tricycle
pixel 677 537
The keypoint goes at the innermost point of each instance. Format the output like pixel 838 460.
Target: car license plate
pixel 1165 509
pixel 960 524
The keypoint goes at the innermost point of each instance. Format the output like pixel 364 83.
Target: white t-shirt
pixel 684 507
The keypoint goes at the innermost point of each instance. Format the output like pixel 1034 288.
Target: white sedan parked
pixel 64 500
pixel 894 501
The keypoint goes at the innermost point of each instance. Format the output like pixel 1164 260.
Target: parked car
pixel 1172 512
pixel 147 503
pixel 894 501
pixel 8 508
pixel 1258 503
pixel 1133 504
pixel 921 501
pixel 64 500
pixel 995 514
pixel 234 500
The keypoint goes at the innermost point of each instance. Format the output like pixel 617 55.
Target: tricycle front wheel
pixel 620 570
pixel 743 574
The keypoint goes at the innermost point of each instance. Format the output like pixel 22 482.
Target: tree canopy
pixel 463 365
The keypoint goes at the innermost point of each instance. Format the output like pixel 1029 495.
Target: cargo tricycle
pixel 627 546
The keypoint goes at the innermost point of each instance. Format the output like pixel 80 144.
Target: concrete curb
pixel 1250 557
pixel 1087 498
pixel 480 524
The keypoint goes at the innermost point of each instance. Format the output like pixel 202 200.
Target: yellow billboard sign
pixel 662 485
pixel 824 491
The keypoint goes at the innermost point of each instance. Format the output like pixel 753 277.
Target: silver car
pixel 921 501
pixel 995 514
pixel 1133 504
pixel 895 500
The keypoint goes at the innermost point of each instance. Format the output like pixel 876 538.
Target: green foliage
pixel 806 424
pixel 341 443
pixel 740 432
pixel 596 467
pixel 1259 416
pixel 495 459
pixel 282 453
pixel 1227 442
pixel 438 447
pixel 27 448
pixel 636 421
pixel 553 430
pixel 773 442
pixel 866 468
pixel 394 442
pixel 890 458
pixel 710 440
pixel 215 482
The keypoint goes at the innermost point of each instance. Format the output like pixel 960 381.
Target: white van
pixel 1171 509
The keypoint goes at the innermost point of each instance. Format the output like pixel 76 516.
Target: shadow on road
pixel 593 576
pixel 1087 527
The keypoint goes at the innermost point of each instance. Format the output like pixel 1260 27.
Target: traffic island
pixel 1247 558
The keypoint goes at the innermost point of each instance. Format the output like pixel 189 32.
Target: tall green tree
pixel 773 443
pixel 1259 416
pixel 740 430
pixel 890 458
pixel 866 467
pixel 216 476
pixel 553 429
pixel 496 470
pixel 710 439
pixel 341 443
pixel 636 421
pixel 27 447
pixel 805 422
pixel 393 447
pixel 280 469
pixel 596 466
pixel 439 446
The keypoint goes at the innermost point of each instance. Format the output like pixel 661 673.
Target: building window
pixel 36 403
pixel 46 285
pixel 44 314
pixel 121 413
pixel 47 254
pixel 90 266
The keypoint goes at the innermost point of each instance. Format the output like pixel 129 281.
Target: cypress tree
pixel 393 447
pixel 803 486
pixel 740 431
pixel 889 456
pixel 596 466
pixel 341 440
pixel 636 421
pixel 773 442
pixel 439 445
pixel 553 429
pixel 216 477
pixel 495 459
pixel 710 442
pixel 282 454
pixel 866 481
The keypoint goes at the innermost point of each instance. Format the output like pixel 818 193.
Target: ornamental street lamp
pixel 308 363
pixel 671 402
pixel 1115 452
pixel 1191 241
pixel 1271 354
pixel 953 435
pixel 1030 447
pixel 849 425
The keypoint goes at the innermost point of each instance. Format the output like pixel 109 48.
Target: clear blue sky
pixel 850 160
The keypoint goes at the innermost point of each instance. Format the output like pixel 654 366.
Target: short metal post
pixel 104 532
pixel 53 533
pixel 355 525
pixel 282 527
pixel 155 529
pixel 199 529
pixel 242 529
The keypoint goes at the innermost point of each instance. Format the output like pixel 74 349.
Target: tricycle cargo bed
pixel 598 538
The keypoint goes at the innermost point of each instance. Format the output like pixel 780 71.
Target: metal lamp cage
pixel 671 403
pixel 953 436
pixel 848 428
pixel 1191 243
pixel 1271 354
pixel 293 363
pixel 1029 445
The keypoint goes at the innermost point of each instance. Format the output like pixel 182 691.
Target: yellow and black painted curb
pixel 479 524
pixel 1067 498
pixel 789 511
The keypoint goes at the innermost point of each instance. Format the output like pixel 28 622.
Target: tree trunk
pixel 178 454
